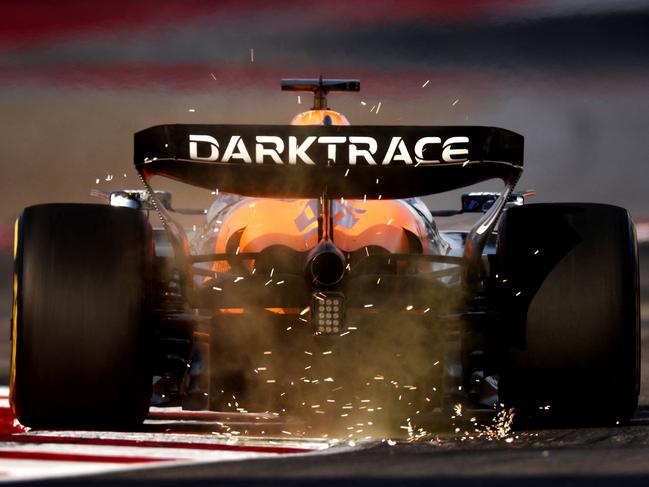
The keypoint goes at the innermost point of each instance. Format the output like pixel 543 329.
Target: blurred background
pixel 78 78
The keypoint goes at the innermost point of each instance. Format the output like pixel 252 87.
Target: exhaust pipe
pixel 325 265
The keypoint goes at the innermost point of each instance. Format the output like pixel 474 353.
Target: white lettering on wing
pixel 205 139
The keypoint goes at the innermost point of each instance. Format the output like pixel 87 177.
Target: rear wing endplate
pixel 336 161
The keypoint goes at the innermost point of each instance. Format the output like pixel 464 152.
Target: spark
pixel 377 180
pixel 390 221
pixel 378 281
pixel 372 109
pixel 97 181
pixel 280 282
pixel 238 279
pixel 328 352
pixel 436 363
pixel 378 108
pixel 457 409
pixel 363 103
pixel 272 271
pixel 304 311
pixel 409 307
pixel 191 110
pixel 425 84
pixel 518 293
pixel 268 352
pixel 299 100
pixel 329 379
pixel 289 328
pixel 308 353
pixel 252 55
pixel 109 177
pixel 352 328
pixel 455 102
pixel 268 282
pixel 213 77
pixel 270 381
pixel 217 288
pixel 380 196
pixel 343 334
pixel 346 172
pixel 367 306
pixel 392 442
pixel 426 310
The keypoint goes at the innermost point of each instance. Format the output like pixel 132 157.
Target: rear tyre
pixel 571 307
pixel 80 330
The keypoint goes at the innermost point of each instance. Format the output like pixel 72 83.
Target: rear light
pixel 328 312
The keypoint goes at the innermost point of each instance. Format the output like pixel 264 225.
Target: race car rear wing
pixel 330 162
pixel 337 161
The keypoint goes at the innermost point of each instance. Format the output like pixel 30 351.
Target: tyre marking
pixel 14 316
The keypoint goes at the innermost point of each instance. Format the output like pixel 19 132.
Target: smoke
pixel 383 376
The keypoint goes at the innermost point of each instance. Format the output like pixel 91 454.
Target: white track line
pixel 34 455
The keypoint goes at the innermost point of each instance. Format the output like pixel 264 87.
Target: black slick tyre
pixel 81 336
pixel 569 296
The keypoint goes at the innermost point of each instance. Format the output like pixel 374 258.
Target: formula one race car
pixel 320 285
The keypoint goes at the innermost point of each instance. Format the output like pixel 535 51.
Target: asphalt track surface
pixel 197 454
